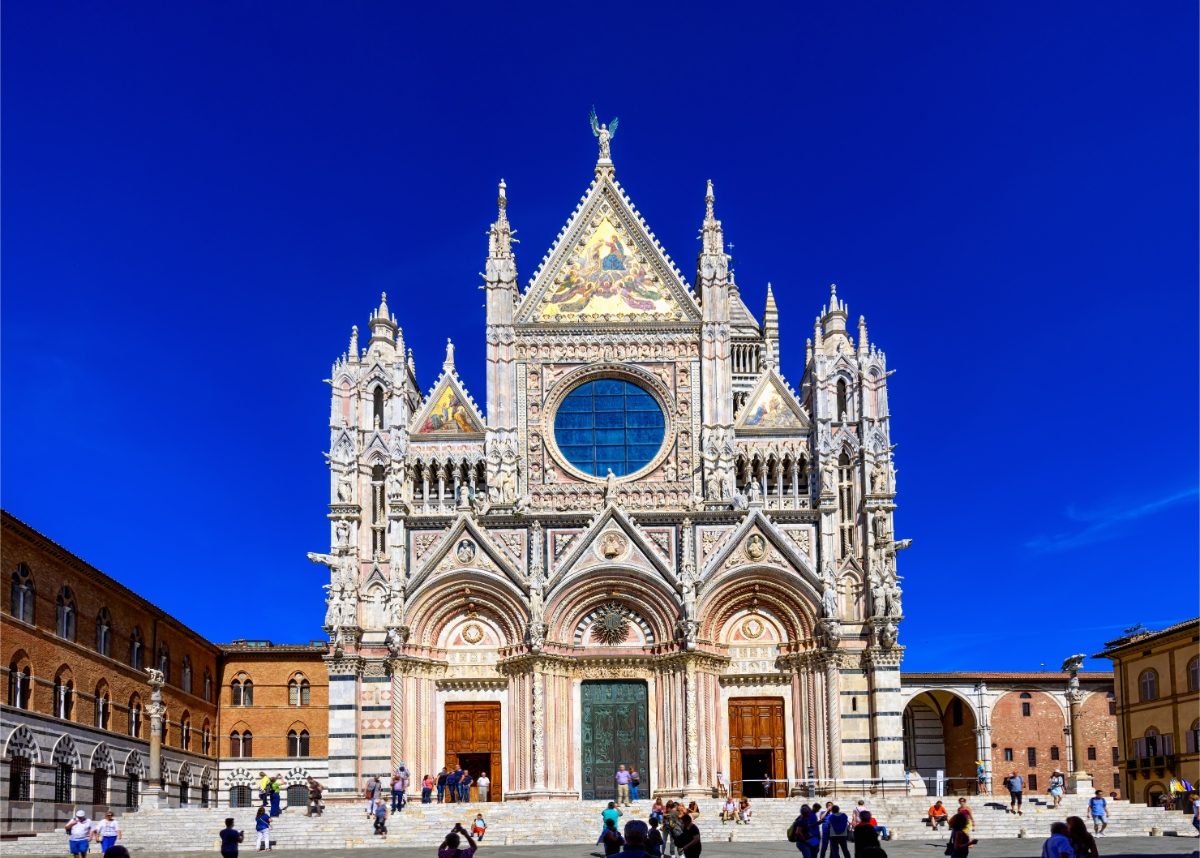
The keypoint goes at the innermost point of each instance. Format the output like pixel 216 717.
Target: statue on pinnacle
pixel 605 133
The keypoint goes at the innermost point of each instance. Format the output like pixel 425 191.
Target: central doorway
pixel 473 742
pixel 757 747
pixel 614 730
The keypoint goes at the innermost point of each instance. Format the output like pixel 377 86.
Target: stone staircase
pixel 346 826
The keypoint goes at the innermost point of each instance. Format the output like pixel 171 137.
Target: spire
pixel 383 326
pixel 818 338
pixel 862 336
pixel 835 316
pixel 500 236
pixel 354 343
pixel 771 327
pixel 712 235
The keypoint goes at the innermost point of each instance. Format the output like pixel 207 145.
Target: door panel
pixel 614 730
pixel 756 723
pixel 473 729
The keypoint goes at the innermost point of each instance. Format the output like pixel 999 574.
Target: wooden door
pixel 614 730
pixel 473 729
pixel 756 724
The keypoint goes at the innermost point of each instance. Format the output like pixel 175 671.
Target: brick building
pixel 1158 707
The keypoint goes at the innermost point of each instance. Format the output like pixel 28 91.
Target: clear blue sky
pixel 200 199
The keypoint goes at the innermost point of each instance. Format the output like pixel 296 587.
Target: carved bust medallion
pixel 756 547
pixel 465 551
pixel 612 545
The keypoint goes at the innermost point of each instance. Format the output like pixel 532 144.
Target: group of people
pixel 82 832
pixel 819 830
pixel 628 781
pixel 671 830
pixel 455 786
pixel 736 811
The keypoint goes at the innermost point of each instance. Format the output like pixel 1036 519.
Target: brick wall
pixel 272 716
pixel 1041 730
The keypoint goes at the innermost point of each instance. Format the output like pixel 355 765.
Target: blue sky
pixel 200 199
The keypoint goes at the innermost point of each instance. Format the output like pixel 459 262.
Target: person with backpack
pixel 688 841
pixel 839 832
pixel 610 838
pixel 805 832
pixel 1098 811
pixel 960 842
pixel 450 845
pixel 442 777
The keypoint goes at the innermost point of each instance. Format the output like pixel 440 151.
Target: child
pixel 611 838
pixel 262 824
pixel 478 827
pixel 654 840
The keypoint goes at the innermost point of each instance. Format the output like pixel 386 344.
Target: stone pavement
pixel 1110 847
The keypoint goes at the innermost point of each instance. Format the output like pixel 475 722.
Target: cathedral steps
pixel 347 826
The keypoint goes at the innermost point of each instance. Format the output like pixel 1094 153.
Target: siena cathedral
pixel 650 548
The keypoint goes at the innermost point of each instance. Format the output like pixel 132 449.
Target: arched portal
pixel 939 733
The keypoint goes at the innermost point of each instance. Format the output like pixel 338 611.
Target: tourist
pixel 276 793
pixel 881 830
pixel 637 837
pixel 960 841
pixel 672 827
pixel 859 810
pixel 442 777
pixel 1098 811
pixel 1058 845
pixel 622 781
pixel 654 840
pixel 744 812
pixel 405 780
pixel 729 810
pixel 230 838
pixel 766 786
pixel 315 791
pixel 938 815
pixel 381 815
pixel 450 846
pixel 610 813
pixel 693 810
pixel 396 793
pixel 427 784
pixel 839 832
pixel 688 842
pixel 264 789
pixel 482 786
pixel 79 829
pixel 262 825
pixel 371 792
pixel 635 781
pixel 966 812
pixel 806 833
pixel 108 830
pixel 866 838
pixel 610 838
pixel 722 787
pixel 452 780
pixel 464 786
pixel 981 778
pixel 1196 811
pixel 823 824
pixel 657 810
pixel 1015 784
pixel 1082 842
pixel 1056 787
pixel 479 827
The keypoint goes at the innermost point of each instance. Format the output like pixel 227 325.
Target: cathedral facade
pixel 649 548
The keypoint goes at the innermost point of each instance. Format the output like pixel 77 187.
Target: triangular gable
pixel 465 545
pixel 771 409
pixel 448 412
pixel 613 520
pixel 737 550
pixel 607 267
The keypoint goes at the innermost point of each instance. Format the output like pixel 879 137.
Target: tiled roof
pixel 1010 676
pixel 1143 638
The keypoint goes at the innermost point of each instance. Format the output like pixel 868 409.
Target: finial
pixel 448 364
pixel 862 335
pixel 382 312
pixel 709 199
pixel 412 364
pixel 353 341
pixel 502 200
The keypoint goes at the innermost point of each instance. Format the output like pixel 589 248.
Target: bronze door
pixel 614 731
pixel 473 740
pixel 756 733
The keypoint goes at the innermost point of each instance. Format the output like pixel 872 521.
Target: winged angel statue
pixel 605 132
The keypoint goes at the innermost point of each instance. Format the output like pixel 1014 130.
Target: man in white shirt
pixel 482 785
pixel 109 831
pixel 79 828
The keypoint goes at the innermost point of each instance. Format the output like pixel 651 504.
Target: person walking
pixel 635 781
pixel 1015 784
pixel 482 786
pixel 960 841
pixel 381 815
pixel 966 812
pixel 427 784
pixel 938 815
pixel 397 794
pixel 1195 797
pixel 672 827
pixel 1056 787
pixel 442 777
pixel 1058 845
pixel 315 792
pixel 805 832
pixel 405 781
pixel 372 793
pixel 108 830
pixel 1082 842
pixel 451 848
pixel 823 823
pixel 688 842
pixel 264 789
pixel 839 832
pixel 766 786
pixel 79 831
pixel 262 826
pixel 609 814
pixel 1098 811
pixel 230 838
pixel 622 781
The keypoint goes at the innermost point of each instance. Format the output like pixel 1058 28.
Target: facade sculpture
pixel 633 524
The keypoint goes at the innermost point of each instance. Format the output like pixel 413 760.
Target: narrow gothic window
pixel 846 503
pixel 1091 752
pixel 20 681
pixel 103 706
pixel 207 686
pixel 135 717
pixel 185 675
pixel 242 692
pixel 62 783
pixel 841 400
pixel 1148 684
pixel 1026 705
pixel 99 787
pixel 185 732
pixel 18 779
pixel 377 410
pixel 378 511
pixel 65 604
pixel 1054 752
pixel 298 692
pixel 164 661
pixel 135 649
pixel 1193 674
pixel 64 697
pixel 1031 756
pixel 205 738
pixel 104 632
pixel 22 594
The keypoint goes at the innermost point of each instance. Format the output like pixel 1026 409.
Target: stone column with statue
pixel 1079 781
pixel 156 794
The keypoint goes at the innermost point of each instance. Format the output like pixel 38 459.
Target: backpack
pixel 791 833
pixel 839 825
pixel 1007 782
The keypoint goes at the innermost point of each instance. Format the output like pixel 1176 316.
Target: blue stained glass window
pixel 608 424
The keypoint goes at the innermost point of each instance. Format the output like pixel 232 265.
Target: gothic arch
pixel 452 594
pixel 64 752
pixel 645 595
pixel 751 587
pixel 134 765
pixel 21 743
pixel 102 759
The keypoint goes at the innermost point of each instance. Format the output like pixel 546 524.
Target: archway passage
pixel 473 742
pixel 939 733
pixel 614 731
pixel 757 747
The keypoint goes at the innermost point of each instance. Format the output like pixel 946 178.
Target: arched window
pixel 164 660
pixel 1153 744
pixel 136 648
pixel 22 594
pixel 1148 684
pixel 64 694
pixel 1026 704
pixel 377 408
pixel 842 401
pixel 103 705
pixel 241 744
pixel 297 743
pixel 1112 703
pixel 241 691
pixel 104 632
pixel 846 503
pixel 299 692
pixel 65 604
pixel 206 738
pixel 185 731
pixel 1191 741
pixel 1193 674
pixel 20 681
pixel 135 716
pixel 208 691
pixel 185 674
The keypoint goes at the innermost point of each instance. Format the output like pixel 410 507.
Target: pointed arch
pixel 453 593
pixel 642 594
pixel 134 764
pixel 20 743
pixel 102 759
pixel 64 752
pixel 752 587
